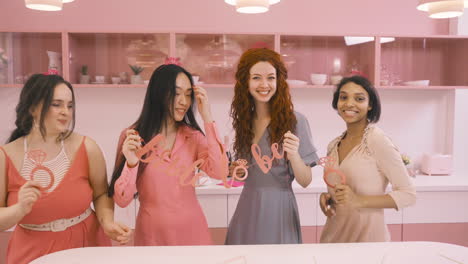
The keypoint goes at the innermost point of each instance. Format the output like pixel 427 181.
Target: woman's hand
pixel 345 195
pixel 117 231
pixel 131 144
pixel 291 145
pixel 327 204
pixel 203 104
pixel 28 195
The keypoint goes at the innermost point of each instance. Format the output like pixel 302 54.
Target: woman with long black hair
pixel 169 211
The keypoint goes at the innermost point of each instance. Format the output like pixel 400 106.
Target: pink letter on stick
pixel 264 162
pixel 149 149
pixel 274 150
pixel 196 165
pixel 185 172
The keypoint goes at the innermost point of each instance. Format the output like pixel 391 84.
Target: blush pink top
pixel 369 168
pixel 169 212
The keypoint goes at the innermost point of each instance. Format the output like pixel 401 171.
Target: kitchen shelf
pixel 387 61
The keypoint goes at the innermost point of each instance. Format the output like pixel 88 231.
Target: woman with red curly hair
pixel 263 114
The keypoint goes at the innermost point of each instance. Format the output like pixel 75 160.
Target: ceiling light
pixel 443 8
pixel 252 6
pixel 44 5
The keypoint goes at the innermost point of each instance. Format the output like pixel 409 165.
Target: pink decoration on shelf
pixel 51 72
pixel 173 60
pixel 260 44
pixel 38 156
pixel 327 163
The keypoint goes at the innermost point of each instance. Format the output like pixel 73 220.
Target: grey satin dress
pixel 267 211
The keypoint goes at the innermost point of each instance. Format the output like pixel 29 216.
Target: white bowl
pixel 318 78
pixel 296 82
pixel 100 78
pixel 335 79
pixel 115 80
pixel 417 83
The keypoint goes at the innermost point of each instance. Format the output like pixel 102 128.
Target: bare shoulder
pixel 73 142
pixel 14 148
pixel 91 145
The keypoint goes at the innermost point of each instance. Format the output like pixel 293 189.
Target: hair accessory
pixel 51 72
pixel 173 60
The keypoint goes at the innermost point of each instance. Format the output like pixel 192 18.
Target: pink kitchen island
pixel 362 253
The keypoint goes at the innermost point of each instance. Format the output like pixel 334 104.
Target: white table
pixel 362 253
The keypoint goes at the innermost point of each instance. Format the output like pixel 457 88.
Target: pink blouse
pixel 169 211
pixel 369 168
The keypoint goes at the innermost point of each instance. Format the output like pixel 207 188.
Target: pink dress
pixel 70 198
pixel 369 167
pixel 169 212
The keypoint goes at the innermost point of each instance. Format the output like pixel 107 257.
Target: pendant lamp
pixel 443 8
pixel 252 6
pixel 44 5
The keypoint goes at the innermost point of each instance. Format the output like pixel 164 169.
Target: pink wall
pixel 289 16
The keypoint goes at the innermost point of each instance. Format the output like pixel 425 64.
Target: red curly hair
pixel 243 106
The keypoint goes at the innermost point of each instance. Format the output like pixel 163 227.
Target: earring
pixel 35 124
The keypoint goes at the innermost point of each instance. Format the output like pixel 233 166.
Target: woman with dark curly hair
pixel 263 114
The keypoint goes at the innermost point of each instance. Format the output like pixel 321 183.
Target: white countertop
pixel 363 253
pixel 422 183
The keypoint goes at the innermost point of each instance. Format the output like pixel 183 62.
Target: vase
pixel 136 79
pixel 55 61
pixel 84 79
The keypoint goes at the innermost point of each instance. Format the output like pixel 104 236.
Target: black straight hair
pixel 157 108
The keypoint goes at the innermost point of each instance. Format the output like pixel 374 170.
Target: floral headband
pixel 51 72
pixel 172 60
